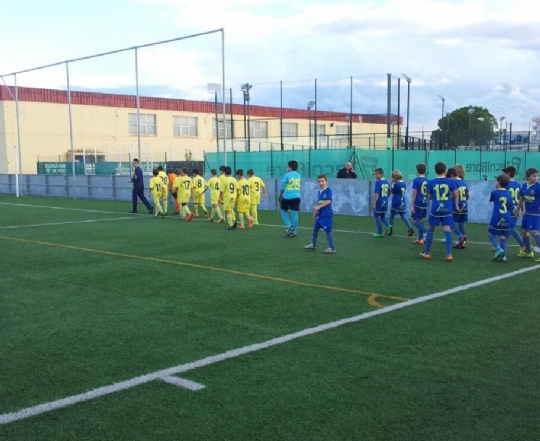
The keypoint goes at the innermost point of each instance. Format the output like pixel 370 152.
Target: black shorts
pixel 290 204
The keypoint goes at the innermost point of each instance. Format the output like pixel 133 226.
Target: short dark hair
pixel 451 172
pixel 239 172
pixel 379 170
pixel 160 168
pixel 250 172
pixel 155 172
pixel 195 171
pixel 227 170
pixel 293 164
pixel 135 160
pixel 213 171
pixel 503 181
pixel 440 168
pixel 184 170
pixel 530 171
pixel 421 169
pixel 510 171
pixel 222 168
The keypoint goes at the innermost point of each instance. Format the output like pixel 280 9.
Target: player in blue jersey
pixel 529 204
pixel 289 198
pixel 323 216
pixel 514 188
pixel 460 214
pixel 419 202
pixel 500 223
pixel 380 202
pixel 398 206
pixel 442 192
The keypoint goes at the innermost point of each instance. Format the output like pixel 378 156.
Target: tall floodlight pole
pixel 245 89
pixel 470 112
pixel 310 105
pixel 408 101
pixel 442 119
pixel 500 130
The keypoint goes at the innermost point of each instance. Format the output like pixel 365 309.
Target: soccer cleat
pixel 460 246
pixel 151 210
pixel 448 258
pixel 230 228
pixel 310 247
pixel 206 213
pixel 537 260
pixel 418 242
pixel 329 251
pixel 190 216
pixel 220 221
pixel 378 235
pixel 410 233
pixel 293 235
pixel 255 222
pixel 523 253
pixel 165 214
pixel 461 242
pixel 250 223
pixel 502 259
pixel 537 249
pixel 425 255
pixel 390 230
pixel 241 227
pixel 498 253
pixel 288 230
pixel 235 224
pixel 210 219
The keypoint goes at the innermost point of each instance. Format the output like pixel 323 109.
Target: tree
pixel 467 126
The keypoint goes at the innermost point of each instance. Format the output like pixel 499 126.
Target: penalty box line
pixel 166 374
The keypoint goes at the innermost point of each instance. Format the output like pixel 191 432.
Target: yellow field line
pixel 371 300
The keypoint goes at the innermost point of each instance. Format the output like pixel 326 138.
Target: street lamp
pixel 408 100
pixel 442 116
pixel 481 119
pixel 245 88
pixel 310 106
pixel 470 112
pixel 447 129
pixel 500 130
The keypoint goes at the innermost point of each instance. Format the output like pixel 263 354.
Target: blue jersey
pixel 382 188
pixel 502 210
pixel 463 196
pixel 442 201
pixel 398 196
pixel 514 188
pixel 531 196
pixel 420 185
pixel 323 196
pixel 290 185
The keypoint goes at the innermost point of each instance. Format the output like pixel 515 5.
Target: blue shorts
pixel 460 217
pixel 495 232
pixel 419 213
pixel 446 221
pixel 530 222
pixel 396 212
pixel 380 214
pixel 513 222
pixel 326 223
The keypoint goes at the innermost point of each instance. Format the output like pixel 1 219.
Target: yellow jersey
pixel 165 181
pixel 182 184
pixel 156 187
pixel 243 199
pixel 199 185
pixel 256 185
pixel 215 188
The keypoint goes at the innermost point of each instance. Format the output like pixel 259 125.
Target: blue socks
pixel 294 215
pixel 421 229
pixel 517 236
pixel 285 218
pixel 378 224
pixel 429 241
pixel 448 241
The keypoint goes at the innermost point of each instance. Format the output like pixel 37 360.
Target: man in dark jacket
pixel 347 172
pixel 138 188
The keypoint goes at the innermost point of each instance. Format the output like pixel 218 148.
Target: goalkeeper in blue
pixel 323 216
pixel 500 223
pixel 289 198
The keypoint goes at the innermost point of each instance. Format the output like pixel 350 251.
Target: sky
pixel 472 52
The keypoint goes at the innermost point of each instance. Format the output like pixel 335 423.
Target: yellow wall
pixel 44 131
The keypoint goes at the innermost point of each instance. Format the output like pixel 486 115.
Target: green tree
pixel 466 126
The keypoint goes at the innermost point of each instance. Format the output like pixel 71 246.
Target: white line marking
pixel 182 382
pixel 123 385
pixel 67 223
pixel 62 208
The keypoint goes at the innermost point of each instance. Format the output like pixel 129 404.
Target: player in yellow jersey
pixel 156 192
pixel 199 188
pixel 256 185
pixel 165 198
pixel 243 199
pixel 172 177
pixel 228 196
pixel 214 183
pixel 223 179
pixel 182 185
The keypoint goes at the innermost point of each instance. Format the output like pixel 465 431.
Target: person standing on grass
pixel 380 203
pixel 419 203
pixel 323 216
pixel 228 196
pixel 500 223
pixel 157 191
pixel 243 199
pixel 443 193
pixel 214 183
pixel 461 217
pixel 289 198
pixel 347 172
pixel 529 204
pixel 138 188
pixel 199 188
pixel 172 177
pixel 165 181
pixel 256 185
pixel 182 185
pixel 399 205
pixel 514 188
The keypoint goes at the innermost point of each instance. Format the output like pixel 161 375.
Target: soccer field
pixel 129 327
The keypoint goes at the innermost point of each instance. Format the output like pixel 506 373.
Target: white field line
pixel 165 373
pixel 264 225
pixel 66 223
pixel 182 382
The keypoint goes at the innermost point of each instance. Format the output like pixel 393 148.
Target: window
pixel 258 129
pixel 290 130
pixel 321 129
pixel 185 126
pixel 220 125
pixel 342 130
pixel 147 127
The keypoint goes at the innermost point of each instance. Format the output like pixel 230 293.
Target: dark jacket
pixel 343 174
pixel 137 179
